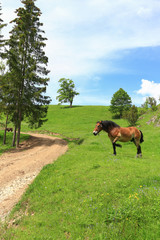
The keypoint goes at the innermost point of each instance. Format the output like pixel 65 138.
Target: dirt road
pixel 19 167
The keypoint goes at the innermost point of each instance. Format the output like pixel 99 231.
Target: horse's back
pixel 129 133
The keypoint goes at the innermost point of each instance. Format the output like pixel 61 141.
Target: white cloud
pixel 149 88
pixel 81 34
pixel 84 37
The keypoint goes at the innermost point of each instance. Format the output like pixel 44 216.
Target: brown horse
pixel 9 129
pixel 117 133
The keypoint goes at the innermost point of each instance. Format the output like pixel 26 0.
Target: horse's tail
pixel 141 139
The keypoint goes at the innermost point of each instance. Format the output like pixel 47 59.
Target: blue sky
pixel 102 45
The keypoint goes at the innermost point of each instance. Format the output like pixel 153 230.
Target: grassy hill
pixel 88 193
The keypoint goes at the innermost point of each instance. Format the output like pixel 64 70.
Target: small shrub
pixel 131 115
pixel 150 103
pixel 154 108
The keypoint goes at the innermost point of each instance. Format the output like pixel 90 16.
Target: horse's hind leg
pixel 139 152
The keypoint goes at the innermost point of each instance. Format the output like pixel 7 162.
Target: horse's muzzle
pixel 95 133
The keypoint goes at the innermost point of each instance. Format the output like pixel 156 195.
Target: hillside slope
pixel 88 193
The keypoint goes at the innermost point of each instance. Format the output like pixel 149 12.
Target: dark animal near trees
pixel 9 129
pixel 122 134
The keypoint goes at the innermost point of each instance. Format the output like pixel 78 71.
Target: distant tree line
pixel 23 71
pixel 121 106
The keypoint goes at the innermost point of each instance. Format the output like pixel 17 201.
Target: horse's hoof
pixel 139 155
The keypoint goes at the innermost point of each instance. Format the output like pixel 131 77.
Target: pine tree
pixel 7 96
pixel 27 64
pixel 3 106
pixel 2 41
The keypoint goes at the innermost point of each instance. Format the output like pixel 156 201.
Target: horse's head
pixel 98 128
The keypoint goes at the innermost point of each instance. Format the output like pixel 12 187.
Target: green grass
pixel 88 193
pixel 9 136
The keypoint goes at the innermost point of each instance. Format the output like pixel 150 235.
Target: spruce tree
pixel 3 105
pixel 7 96
pixel 28 67
pixel 2 41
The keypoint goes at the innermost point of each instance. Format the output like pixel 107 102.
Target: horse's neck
pixel 107 126
pixel 106 129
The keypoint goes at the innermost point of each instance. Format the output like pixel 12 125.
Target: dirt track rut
pixel 20 166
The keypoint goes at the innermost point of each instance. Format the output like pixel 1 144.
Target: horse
pixel 122 134
pixel 9 129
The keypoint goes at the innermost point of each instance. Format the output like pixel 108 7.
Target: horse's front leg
pixel 114 140
pixel 114 148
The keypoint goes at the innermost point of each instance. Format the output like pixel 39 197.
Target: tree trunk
pixel 70 104
pixel 4 138
pixel 19 129
pixel 14 137
pixel 18 135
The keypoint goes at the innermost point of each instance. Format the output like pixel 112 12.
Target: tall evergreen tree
pixel 2 41
pixel 28 67
pixel 7 97
pixel 3 105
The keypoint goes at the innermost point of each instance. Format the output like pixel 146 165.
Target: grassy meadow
pixel 88 193
pixel 8 144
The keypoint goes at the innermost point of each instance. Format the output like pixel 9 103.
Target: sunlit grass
pixel 9 136
pixel 88 193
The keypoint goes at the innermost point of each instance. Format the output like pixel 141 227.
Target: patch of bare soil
pixel 20 166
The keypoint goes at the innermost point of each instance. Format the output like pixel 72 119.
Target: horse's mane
pixel 108 125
